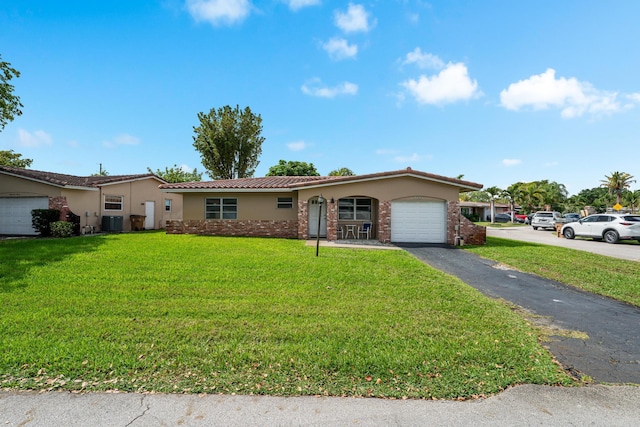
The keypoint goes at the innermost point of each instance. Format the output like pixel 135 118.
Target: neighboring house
pixel 482 209
pixel 91 197
pixel 398 206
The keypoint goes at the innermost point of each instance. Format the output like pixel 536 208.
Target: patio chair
pixel 365 230
pixel 339 232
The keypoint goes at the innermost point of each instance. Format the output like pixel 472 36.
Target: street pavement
pixel 623 250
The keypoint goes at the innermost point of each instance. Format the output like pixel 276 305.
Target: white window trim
pixel 222 204
pixel 281 204
pixel 170 205
pixel 104 203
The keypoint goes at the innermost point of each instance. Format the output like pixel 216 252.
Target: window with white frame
pixel 285 203
pixel 167 205
pixel 221 208
pixel 113 203
pixel 352 209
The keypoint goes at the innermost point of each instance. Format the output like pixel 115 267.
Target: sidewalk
pixel 527 405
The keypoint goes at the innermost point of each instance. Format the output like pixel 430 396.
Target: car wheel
pixel 535 228
pixel 611 236
pixel 568 233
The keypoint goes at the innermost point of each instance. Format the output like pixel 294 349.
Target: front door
pixel 149 211
pixel 314 212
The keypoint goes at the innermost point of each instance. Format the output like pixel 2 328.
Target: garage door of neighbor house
pixel 419 221
pixel 15 214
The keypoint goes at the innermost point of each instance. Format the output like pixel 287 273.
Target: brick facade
pixel 60 203
pixel 471 233
pixel 299 229
pixel 249 228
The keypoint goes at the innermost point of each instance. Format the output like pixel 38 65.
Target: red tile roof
pixel 64 180
pixel 293 182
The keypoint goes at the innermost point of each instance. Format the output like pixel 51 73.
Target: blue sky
pixel 500 91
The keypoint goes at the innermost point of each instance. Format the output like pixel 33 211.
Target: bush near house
pixel 41 220
pixel 62 229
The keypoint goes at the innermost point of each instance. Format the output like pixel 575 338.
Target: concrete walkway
pixel 527 405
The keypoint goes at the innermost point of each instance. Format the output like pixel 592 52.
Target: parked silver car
pixel 608 227
pixel 546 219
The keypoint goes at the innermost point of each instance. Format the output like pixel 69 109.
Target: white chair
pixel 365 230
pixel 339 232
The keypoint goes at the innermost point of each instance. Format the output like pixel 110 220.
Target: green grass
pixel 182 313
pixel 614 278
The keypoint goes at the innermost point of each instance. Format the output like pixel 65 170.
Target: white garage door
pixel 419 222
pixel 15 214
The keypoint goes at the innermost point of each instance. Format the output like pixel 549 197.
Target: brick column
pixel 303 219
pixel 384 221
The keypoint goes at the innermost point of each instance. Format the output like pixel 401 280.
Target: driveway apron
pixel 611 354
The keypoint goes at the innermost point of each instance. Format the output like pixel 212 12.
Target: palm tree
pixel 617 183
pixel 632 199
pixel 493 192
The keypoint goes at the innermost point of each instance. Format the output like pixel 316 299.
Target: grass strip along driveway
pixel 610 277
pixel 180 313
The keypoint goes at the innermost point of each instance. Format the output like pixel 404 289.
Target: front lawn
pixel 614 278
pixel 181 313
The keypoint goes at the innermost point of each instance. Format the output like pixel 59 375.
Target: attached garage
pixel 419 221
pixel 15 214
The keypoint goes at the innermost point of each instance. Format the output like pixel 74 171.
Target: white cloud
pixel 122 139
pixel 635 97
pixel 423 60
pixel 296 5
pixel 450 85
pixel 511 162
pixel 186 168
pixel 573 97
pixel 38 138
pixel 338 48
pixel 297 145
pixel 355 19
pixel 218 12
pixel 315 88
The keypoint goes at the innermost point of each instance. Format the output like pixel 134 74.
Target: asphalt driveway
pixel 610 352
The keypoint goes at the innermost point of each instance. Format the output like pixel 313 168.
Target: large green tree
pixel 293 168
pixel 342 172
pixel 177 174
pixel 617 183
pixel 229 141
pixel 9 103
pixel 11 158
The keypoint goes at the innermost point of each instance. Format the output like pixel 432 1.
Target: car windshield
pixel 544 214
pixel 631 218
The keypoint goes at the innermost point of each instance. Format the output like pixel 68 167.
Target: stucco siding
pixel 251 206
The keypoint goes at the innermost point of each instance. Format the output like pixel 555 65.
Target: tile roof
pixel 64 180
pixel 267 182
pixel 293 182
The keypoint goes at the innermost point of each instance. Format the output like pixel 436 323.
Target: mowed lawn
pixel 179 313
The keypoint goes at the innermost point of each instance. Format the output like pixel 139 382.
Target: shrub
pixel 41 220
pixel 62 229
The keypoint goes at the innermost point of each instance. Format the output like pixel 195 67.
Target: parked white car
pixel 608 227
pixel 546 219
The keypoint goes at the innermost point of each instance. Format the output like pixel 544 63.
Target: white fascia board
pixel 28 178
pixel 131 180
pixel 378 178
pixel 77 187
